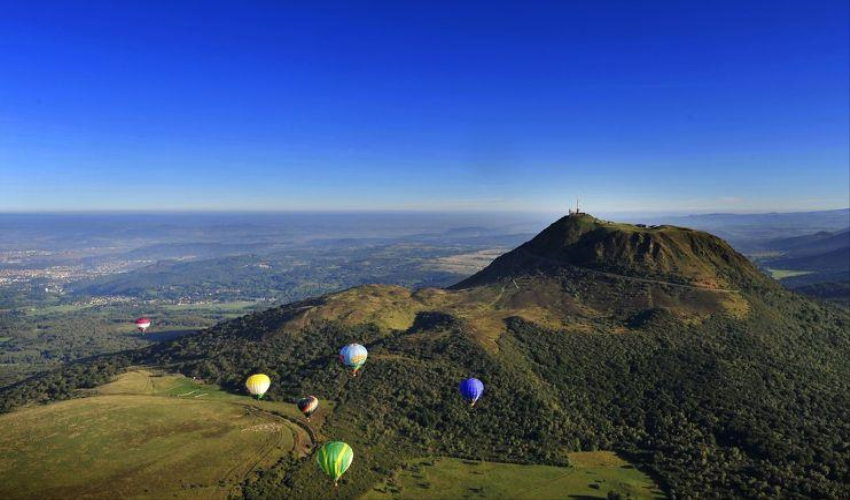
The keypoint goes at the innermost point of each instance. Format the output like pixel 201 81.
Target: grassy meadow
pixel 779 274
pixel 591 475
pixel 144 436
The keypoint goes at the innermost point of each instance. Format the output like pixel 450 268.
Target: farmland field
pixel 467 263
pixel 144 436
pixel 591 475
pixel 779 274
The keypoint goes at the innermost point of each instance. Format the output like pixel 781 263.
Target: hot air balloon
pixel 258 384
pixel 353 355
pixel 471 389
pixel 308 406
pixel 334 458
pixel 143 324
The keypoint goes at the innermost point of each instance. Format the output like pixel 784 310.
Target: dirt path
pixel 262 454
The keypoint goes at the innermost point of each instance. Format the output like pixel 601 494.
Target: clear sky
pixel 273 105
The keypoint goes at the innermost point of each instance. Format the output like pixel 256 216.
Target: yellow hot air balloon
pixel 258 384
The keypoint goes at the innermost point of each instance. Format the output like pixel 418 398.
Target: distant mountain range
pixel 811 244
pixel 750 232
pixel 817 264
pixel 830 261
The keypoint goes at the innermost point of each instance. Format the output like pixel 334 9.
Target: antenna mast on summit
pixel 577 209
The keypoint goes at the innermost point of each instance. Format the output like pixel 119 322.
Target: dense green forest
pixel 835 292
pixel 677 399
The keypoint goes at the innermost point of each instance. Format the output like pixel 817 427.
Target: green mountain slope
pixel 668 253
pixel 662 344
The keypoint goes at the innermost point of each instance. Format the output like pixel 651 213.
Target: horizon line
pixel 403 211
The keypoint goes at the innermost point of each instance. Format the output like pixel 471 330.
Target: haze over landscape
pixel 407 250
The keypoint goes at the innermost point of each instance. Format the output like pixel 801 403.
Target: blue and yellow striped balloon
pixel 353 355
pixel 335 458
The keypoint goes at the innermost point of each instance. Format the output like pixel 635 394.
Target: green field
pixel 225 308
pixel 779 274
pixel 52 310
pixel 144 436
pixel 240 306
pixel 591 475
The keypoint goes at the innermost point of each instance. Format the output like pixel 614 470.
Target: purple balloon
pixel 471 389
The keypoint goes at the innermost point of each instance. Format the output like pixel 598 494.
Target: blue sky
pixel 635 106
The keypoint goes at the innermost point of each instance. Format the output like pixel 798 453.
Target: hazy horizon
pixel 601 213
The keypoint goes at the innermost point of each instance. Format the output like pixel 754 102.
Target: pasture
pixel 590 475
pixel 144 436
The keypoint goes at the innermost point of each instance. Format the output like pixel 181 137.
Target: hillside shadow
pixel 167 335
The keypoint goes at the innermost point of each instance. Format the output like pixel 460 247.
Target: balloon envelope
pixel 353 355
pixel 334 458
pixel 258 384
pixel 471 389
pixel 308 405
pixel 143 323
